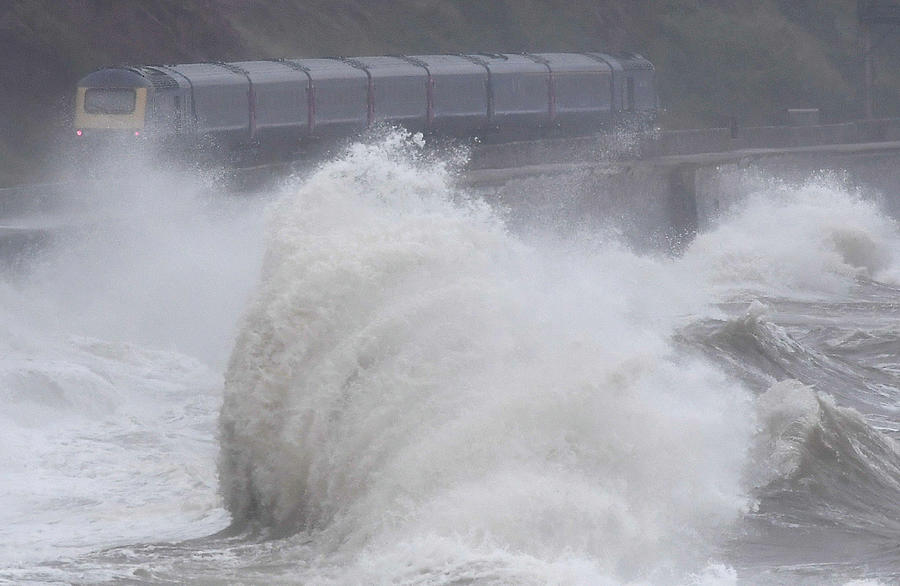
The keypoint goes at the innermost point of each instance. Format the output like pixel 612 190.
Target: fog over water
pixel 367 376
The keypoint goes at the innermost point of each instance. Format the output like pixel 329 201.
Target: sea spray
pixel 486 408
pixel 415 385
pixel 159 257
pixel 813 237
pixel 113 333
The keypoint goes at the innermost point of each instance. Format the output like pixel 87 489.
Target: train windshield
pixel 109 100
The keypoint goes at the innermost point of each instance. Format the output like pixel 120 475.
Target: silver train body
pixel 283 102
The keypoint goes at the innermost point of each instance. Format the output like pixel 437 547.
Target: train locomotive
pixel 277 104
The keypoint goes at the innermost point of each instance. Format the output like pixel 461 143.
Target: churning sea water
pixel 417 393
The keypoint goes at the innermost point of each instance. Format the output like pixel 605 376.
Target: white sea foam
pixel 111 339
pixel 101 444
pixel 415 394
pixel 430 396
pixel 160 258
pixel 794 239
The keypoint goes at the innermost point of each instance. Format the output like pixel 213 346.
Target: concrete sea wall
pixel 657 190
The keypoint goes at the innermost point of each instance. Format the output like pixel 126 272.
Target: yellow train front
pixel 277 105
pixel 117 103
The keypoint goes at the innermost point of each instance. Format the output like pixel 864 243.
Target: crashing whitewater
pixel 420 394
pixel 423 394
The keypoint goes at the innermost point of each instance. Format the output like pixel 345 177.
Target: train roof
pixel 116 77
pixel 158 76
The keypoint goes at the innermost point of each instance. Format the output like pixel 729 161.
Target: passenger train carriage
pixel 283 102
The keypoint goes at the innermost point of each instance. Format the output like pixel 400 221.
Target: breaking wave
pixel 848 472
pixel 798 240
pixel 419 395
pixel 431 399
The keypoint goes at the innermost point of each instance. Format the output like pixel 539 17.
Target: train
pixel 281 103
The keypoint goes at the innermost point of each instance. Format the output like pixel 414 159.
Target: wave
pixel 790 239
pixel 107 430
pixel 825 466
pixel 844 349
pixel 420 392
pixel 808 434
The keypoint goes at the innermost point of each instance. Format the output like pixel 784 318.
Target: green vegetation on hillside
pixel 714 58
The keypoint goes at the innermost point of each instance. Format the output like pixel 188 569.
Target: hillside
pixel 715 58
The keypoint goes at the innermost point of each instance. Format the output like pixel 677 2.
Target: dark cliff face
pixel 86 33
pixel 714 58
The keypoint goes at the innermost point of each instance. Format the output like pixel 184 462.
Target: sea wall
pixel 657 191
pixel 681 142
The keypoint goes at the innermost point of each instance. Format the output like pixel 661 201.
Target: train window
pixel 109 101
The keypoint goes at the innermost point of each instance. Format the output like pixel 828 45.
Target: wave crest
pixel 411 372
